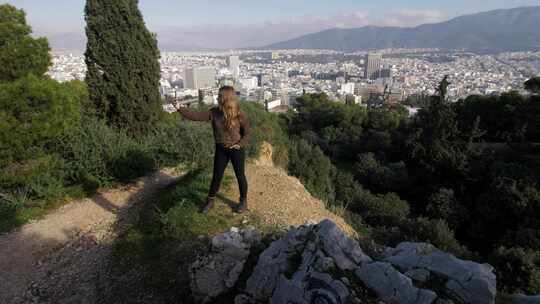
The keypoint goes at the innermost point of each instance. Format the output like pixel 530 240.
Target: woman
pixel 231 134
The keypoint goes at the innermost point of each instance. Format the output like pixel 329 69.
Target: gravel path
pixel 58 257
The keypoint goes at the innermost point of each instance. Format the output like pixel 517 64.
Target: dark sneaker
pixel 242 207
pixel 209 205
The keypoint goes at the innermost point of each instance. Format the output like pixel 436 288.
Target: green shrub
pixel 10 204
pixel 267 127
pixel 41 178
pixel 96 153
pixel 517 269
pixel 381 178
pixel 176 141
pixel 131 165
pixel 435 232
pixel 382 210
pixel 313 168
pixel 375 209
pixel 443 205
pixel 33 112
pixel 524 237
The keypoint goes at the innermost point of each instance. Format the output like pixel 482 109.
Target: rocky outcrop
pixel 319 263
pixel 216 273
pixel 462 281
pixel 296 268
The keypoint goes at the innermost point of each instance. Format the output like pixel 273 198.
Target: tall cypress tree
pixel 123 65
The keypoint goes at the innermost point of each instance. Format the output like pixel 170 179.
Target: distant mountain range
pixel 494 31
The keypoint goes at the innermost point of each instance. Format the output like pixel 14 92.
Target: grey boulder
pixel 391 286
pixel 464 281
pixel 297 267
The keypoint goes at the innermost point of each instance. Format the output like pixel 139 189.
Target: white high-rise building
pixel 347 88
pixel 200 78
pixel 249 83
pixel 234 65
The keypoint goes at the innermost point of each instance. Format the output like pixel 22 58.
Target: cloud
pixel 410 17
pixel 254 35
pixel 225 36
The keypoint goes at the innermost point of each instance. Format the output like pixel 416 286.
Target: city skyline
pixel 188 25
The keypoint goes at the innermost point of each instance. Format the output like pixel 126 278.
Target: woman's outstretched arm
pixel 195 116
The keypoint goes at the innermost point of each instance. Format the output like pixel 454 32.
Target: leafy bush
pixel 506 205
pixel 313 168
pixel 375 209
pixel 524 237
pixel 443 205
pixel 436 232
pixel 381 178
pixel 10 204
pixel 40 178
pixel 131 165
pixel 517 269
pixel 97 152
pixel 266 127
pixel 431 231
pixel 177 141
pixel 34 112
pixel 380 210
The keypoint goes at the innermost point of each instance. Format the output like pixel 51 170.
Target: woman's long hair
pixel 229 106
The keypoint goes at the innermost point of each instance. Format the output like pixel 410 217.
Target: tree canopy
pixel 20 54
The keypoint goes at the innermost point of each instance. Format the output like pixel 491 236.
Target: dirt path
pixel 63 248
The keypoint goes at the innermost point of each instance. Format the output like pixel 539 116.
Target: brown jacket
pixel 239 134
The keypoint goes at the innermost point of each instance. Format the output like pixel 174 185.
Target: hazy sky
pixel 240 23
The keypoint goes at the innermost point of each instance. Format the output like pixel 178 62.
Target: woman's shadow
pixel 229 202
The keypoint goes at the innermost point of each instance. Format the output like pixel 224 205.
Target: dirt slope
pixel 281 200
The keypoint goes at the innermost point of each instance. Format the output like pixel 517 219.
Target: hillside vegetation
pixel 464 176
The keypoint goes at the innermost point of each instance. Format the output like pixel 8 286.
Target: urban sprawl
pixel 276 78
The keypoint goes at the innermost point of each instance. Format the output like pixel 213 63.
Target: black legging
pixel 221 159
